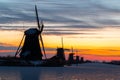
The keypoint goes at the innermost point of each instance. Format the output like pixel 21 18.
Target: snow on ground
pixel 88 71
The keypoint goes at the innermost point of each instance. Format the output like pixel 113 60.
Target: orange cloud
pixel 6 51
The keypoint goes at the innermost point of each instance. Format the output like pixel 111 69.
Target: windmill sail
pixel 37 18
pixel 18 49
pixel 31 49
pixel 40 29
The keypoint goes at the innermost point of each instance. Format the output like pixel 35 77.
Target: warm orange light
pixel 104 42
pixel 6 51
pixel 10 37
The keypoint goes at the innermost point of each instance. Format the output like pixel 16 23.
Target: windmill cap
pixel 32 31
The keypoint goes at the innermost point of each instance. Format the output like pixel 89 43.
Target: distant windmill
pixel 31 49
pixel 71 57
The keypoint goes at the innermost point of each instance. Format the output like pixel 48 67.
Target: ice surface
pixel 88 71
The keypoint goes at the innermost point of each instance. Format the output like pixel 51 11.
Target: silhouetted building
pixel 115 62
pixel 60 53
pixel 82 60
pixel 71 58
pixel 77 60
pixel 31 48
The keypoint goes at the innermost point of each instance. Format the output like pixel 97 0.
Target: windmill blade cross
pixel 43 46
pixel 42 26
pixel 19 46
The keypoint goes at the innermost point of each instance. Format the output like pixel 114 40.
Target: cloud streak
pixel 89 12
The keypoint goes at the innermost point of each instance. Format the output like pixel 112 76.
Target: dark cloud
pixel 85 14
pixel 4 46
pixel 98 55
pixel 7 50
pixel 108 22
pixel 62 33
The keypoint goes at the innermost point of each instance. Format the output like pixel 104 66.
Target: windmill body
pixel 60 53
pixel 31 49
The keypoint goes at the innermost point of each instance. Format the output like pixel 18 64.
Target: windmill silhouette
pixel 31 49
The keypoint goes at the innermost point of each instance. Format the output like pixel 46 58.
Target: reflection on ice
pixel 91 71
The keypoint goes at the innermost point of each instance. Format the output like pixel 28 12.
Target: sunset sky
pixel 91 27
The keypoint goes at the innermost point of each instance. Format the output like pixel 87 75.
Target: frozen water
pixel 88 71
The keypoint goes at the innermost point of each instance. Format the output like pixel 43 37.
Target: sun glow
pixel 107 38
pixel 10 37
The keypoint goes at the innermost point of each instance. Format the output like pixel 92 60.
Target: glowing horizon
pixel 90 48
